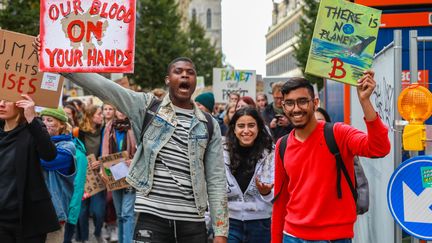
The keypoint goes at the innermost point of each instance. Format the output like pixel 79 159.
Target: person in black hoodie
pixel 26 211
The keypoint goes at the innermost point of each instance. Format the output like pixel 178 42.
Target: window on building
pixel 209 19
pixel 194 14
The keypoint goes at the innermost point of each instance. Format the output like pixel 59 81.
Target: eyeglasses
pixel 302 103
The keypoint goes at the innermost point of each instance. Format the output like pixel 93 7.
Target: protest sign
pixel 87 36
pixel 226 81
pixel 94 182
pixel 113 162
pixel 268 83
pixel 343 41
pixel 422 78
pixel 19 72
pixel 200 84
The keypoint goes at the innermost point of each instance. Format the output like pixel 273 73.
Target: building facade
pixel 281 38
pixel 206 12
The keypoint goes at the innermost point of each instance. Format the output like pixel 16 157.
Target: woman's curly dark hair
pixel 262 142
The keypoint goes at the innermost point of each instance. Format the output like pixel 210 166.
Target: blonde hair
pixel 65 128
pixel 277 86
pixel 86 123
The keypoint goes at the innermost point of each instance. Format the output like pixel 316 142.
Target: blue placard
pixel 409 196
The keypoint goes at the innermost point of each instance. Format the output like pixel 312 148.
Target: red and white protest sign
pixel 422 78
pixel 87 36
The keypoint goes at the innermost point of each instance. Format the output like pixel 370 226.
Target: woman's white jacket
pixel 250 205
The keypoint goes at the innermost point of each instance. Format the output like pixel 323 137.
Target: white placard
pixel 226 81
pixel 50 81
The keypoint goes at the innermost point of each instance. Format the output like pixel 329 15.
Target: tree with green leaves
pixel 201 51
pixel 20 16
pixel 159 39
pixel 307 24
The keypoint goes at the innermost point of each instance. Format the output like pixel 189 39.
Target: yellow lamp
pixel 415 106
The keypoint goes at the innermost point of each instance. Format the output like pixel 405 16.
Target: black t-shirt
pixel 245 171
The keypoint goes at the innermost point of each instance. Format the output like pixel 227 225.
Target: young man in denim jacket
pixel 175 170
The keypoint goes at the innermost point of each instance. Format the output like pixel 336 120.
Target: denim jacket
pixel 61 186
pixel 208 177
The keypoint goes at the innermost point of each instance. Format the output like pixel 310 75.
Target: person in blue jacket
pixel 59 173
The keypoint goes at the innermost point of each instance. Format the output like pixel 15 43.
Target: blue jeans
pixel 96 206
pixel 290 239
pixel 69 232
pixel 124 200
pixel 251 231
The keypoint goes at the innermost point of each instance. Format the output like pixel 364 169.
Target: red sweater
pixel 307 206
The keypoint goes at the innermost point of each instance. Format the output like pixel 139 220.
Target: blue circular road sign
pixel 409 196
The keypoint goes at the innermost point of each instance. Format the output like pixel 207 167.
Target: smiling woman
pixel 249 167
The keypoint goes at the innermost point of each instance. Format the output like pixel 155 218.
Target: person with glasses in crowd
pixel 274 116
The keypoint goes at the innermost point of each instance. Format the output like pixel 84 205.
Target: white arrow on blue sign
pixel 409 196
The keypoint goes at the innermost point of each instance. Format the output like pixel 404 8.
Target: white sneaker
pixel 114 233
pixel 100 239
pixel 106 232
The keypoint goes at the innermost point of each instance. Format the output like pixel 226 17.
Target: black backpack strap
pixel 340 166
pixel 210 129
pixel 149 116
pixel 282 148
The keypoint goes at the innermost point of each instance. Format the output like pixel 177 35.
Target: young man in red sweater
pixel 307 207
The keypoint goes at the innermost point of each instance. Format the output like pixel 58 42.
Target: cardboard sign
pixel 343 42
pixel 109 161
pixel 94 182
pixel 87 36
pixel 268 82
pixel 19 72
pixel 226 81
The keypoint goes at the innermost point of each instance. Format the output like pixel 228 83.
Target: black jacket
pixel 36 212
pixel 277 132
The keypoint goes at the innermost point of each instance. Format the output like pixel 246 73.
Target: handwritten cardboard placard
pixel 109 161
pixel 87 36
pixel 94 182
pixel 343 42
pixel 226 81
pixel 19 72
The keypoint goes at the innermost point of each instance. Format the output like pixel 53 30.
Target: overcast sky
pixel 244 25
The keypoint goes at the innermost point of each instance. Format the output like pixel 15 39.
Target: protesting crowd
pixel 249 172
